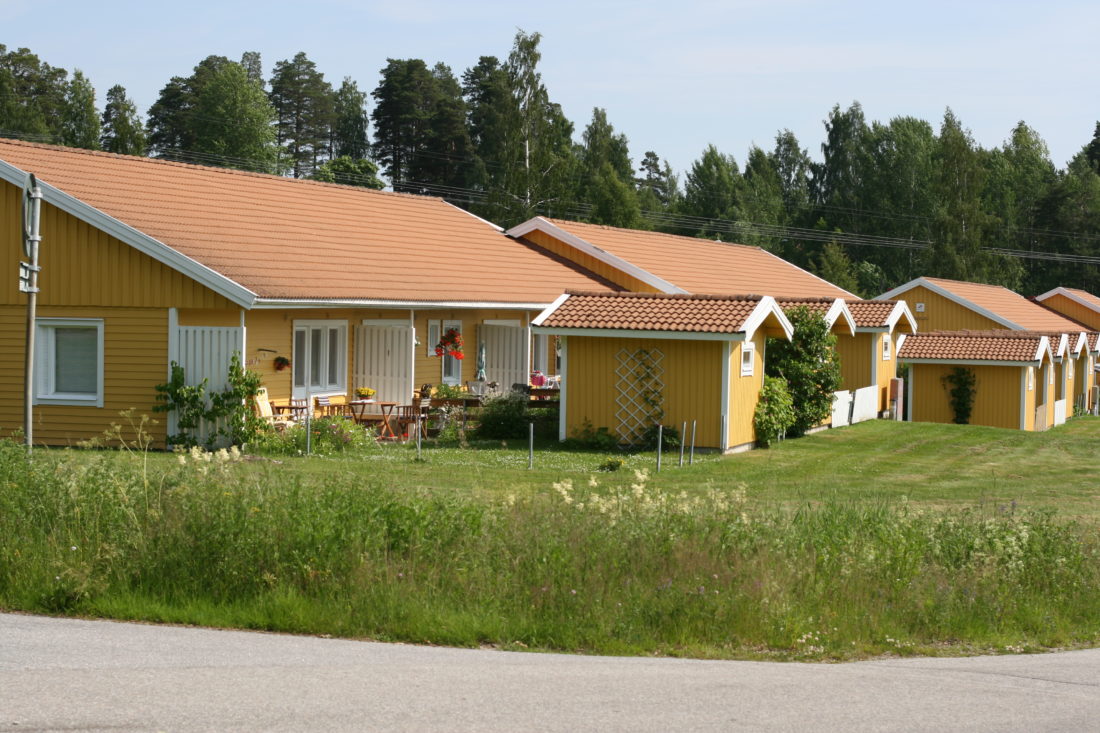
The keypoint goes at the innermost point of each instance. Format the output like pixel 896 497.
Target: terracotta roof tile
pixel 704 265
pixel 971 346
pixel 871 313
pixel 286 238
pixel 654 312
pixel 1007 304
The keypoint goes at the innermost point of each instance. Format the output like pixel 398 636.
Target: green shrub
pixel 810 365
pixel 587 437
pixel 330 435
pixel 963 382
pixel 774 412
pixel 503 417
pixel 670 437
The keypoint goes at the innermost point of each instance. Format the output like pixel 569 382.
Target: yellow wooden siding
pixel 429 368
pixel 589 262
pixel 222 317
pixel 855 360
pixel 82 265
pixel 943 314
pixel 886 369
pixel 1073 309
pixel 996 397
pixel 744 393
pixel 1083 379
pixel 692 379
pixel 135 360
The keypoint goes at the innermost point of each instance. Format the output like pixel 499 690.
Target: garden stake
pixel 530 446
pixel 418 435
pixel 309 421
pixel 660 443
pixel 691 456
pixel 683 433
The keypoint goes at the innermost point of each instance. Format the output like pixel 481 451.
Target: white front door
pixel 505 354
pixel 383 361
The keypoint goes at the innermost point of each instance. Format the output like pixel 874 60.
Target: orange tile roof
pixel 1018 346
pixel 871 313
pixel 704 265
pixel 814 305
pixel 286 238
pixel 1008 305
pixel 654 312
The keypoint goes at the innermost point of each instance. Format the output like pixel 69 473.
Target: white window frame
pixel 325 387
pixel 886 350
pixel 449 362
pixel 748 349
pixel 45 392
pixel 435 333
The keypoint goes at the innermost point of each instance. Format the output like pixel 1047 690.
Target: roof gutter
pixel 291 303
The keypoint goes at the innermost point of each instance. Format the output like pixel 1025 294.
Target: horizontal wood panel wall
pixel 135 360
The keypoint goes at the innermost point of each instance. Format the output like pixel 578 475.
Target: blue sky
pixel 673 76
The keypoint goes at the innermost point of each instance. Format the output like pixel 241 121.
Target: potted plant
pixel 450 344
pixel 365 393
pixel 281 363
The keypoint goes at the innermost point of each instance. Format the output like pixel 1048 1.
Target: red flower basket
pixel 450 344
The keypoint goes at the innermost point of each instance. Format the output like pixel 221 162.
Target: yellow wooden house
pixel 674 359
pixel 949 305
pixel 1014 377
pixel 145 262
pixel 656 262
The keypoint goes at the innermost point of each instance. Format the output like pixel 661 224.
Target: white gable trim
pixel 1067 294
pixel 588 248
pixel 940 290
pixel 550 309
pixel 767 306
pixel 140 241
pixel 836 310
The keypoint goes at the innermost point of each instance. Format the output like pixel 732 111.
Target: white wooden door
pixel 383 361
pixel 204 352
pixel 505 354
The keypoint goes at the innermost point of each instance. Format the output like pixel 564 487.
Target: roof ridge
pixel 988 333
pixel 208 168
pixel 608 227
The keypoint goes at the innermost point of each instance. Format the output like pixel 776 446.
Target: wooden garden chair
pixel 261 405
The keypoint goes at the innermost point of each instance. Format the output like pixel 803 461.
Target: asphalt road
pixel 71 675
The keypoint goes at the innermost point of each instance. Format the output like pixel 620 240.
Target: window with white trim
pixel 748 358
pixel 433 337
pixel 452 367
pixel 886 347
pixel 320 357
pixel 68 367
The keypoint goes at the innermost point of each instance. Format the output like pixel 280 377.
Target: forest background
pixel 883 203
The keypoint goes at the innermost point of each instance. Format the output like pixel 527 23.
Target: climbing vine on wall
pixel 640 396
pixel 961 394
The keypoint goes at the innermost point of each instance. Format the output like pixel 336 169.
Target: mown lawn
pixel 882 538
pixel 936 465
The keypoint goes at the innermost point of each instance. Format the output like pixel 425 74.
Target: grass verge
pixel 619 563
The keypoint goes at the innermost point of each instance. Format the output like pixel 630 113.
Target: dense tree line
pixel 885 202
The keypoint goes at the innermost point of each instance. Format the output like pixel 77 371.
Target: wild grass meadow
pixel 694 562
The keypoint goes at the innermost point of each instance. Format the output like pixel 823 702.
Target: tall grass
pixel 611 565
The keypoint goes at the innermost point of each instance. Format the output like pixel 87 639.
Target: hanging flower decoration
pixel 450 344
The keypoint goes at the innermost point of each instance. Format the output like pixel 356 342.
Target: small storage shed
pixel 629 360
pixel 1014 377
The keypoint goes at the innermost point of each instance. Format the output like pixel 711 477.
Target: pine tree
pixel 172 121
pixel 32 96
pixel 445 155
pixel 658 186
pixel 122 131
pixel 607 175
pixel 402 116
pixel 253 66
pixel 303 103
pixel 492 121
pixel 762 197
pixel 1092 150
pixel 80 120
